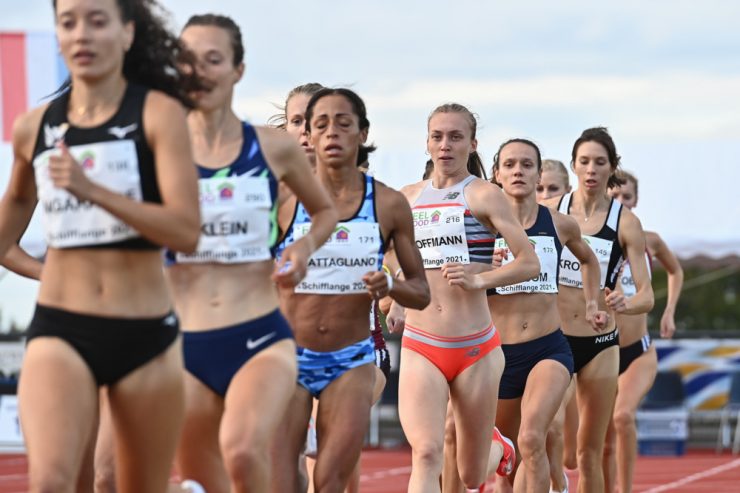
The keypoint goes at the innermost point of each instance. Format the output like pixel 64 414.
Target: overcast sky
pixel 664 76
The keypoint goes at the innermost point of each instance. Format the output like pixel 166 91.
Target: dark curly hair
pixel 358 106
pixel 157 59
pixel 600 135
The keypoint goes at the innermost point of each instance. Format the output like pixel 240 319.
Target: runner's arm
pixel 675 281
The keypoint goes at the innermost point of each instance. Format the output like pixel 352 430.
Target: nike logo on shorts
pixel 251 344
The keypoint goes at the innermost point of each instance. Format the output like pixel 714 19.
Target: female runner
pixel 638 361
pixel 539 362
pixel 451 349
pixel 612 233
pixel 293 120
pixel 561 436
pixel 554 180
pixel 239 350
pixel 114 175
pixel 329 309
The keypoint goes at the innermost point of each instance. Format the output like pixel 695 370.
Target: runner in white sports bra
pixel 609 230
pixel 451 349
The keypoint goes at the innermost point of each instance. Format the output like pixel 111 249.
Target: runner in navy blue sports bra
pixel 539 361
pixel 239 350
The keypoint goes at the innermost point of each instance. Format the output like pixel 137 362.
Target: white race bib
pixel 629 289
pixel 69 222
pixel 340 264
pixel 570 267
pixel 546 281
pixel 440 235
pixel 235 221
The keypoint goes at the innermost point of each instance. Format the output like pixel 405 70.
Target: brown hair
pixel 475 164
pixel 514 141
pixel 358 106
pixel 626 176
pixel 228 25
pixel 600 135
pixel 428 169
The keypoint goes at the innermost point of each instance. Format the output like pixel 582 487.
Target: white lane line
pixel 387 473
pixel 695 477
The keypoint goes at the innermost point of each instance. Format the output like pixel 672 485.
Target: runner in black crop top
pixel 116 154
pixel 113 169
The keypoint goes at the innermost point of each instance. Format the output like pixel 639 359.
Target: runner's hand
pixel 597 318
pixel 460 275
pixel 396 318
pixel 615 300
pixel 377 284
pixel 66 173
pixel 499 255
pixel 291 268
pixel 667 325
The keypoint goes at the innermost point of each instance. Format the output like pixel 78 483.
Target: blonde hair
pixel 280 120
pixel 557 167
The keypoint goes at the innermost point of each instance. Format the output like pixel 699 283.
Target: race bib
pixel 70 222
pixel 235 221
pixel 629 289
pixel 546 280
pixel 570 267
pixel 340 264
pixel 440 235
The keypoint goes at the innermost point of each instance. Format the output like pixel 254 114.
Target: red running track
pixel 388 472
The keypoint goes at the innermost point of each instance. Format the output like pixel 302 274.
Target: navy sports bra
pixel 544 239
pixel 238 205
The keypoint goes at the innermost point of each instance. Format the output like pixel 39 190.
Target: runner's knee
pixel 624 420
pixel 531 443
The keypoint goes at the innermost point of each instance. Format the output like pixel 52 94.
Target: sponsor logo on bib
pixel 341 234
pixel 87 160
pixel 226 191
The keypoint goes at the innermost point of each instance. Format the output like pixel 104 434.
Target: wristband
pixel 388 277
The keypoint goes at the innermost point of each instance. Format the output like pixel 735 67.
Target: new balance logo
pixel 251 344
pixel 121 132
pixel 451 196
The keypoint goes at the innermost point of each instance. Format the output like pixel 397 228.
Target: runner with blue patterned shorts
pixel 329 309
